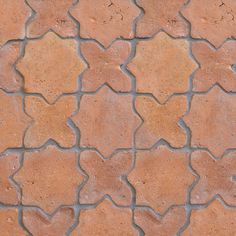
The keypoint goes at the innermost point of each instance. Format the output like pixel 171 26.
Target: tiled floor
pixel 118 117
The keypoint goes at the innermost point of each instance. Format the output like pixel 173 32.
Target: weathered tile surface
pixel 117 117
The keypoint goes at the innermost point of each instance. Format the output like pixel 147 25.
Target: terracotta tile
pixel 49 178
pixel 50 121
pixel 10 80
pixel 13 121
pixel 216 177
pixel 161 178
pixel 115 19
pixel 162 66
pixel 105 177
pixel 14 15
pixel 213 220
pixel 105 66
pixel 105 219
pixel 111 124
pixel 39 224
pixel 152 225
pixel 9 223
pixel 160 121
pixel 212 121
pixel 51 66
pixel 215 66
pixel 161 15
pixel 212 20
pixel 51 15
pixel 9 192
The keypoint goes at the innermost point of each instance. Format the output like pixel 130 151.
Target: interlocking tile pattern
pixel 118 117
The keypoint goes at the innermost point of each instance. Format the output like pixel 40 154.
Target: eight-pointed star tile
pixel 213 20
pixel 49 178
pixel 105 219
pixel 105 66
pixel 10 80
pixel 14 14
pixel 111 123
pixel 51 66
pixel 106 20
pixel 50 121
pixel 9 192
pixel 162 66
pixel 216 66
pixel 167 225
pixel 211 221
pixel 212 121
pixel 51 15
pixel 160 121
pixel 161 15
pixel 13 121
pixel 161 178
pixel 105 177
pixel 216 177
pixel 39 224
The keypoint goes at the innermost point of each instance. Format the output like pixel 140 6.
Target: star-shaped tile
pixel 151 224
pixel 50 121
pixel 216 177
pixel 9 192
pixel 162 66
pixel 51 66
pixel 115 19
pixel 10 80
pixel 214 220
pixel 216 66
pixel 13 121
pixel 40 224
pixel 49 178
pixel 105 66
pixel 9 223
pixel 110 125
pixel 14 14
pixel 107 220
pixel 161 15
pixel 212 121
pixel 161 178
pixel 213 20
pixel 160 121
pixel 105 177
pixel 51 15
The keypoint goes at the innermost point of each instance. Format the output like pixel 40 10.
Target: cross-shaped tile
pixel 105 177
pixel 105 66
pixel 51 15
pixel 50 121
pixel 216 177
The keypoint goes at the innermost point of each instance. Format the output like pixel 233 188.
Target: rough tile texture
pixel 50 121
pixel 108 220
pixel 106 20
pixel 14 15
pixel 117 117
pixel 51 66
pixel 51 15
pixel 216 219
pixel 213 20
pixel 105 177
pixel 110 131
pixel 149 178
pixel 161 15
pixel 39 224
pixel 49 178
pixel 149 66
